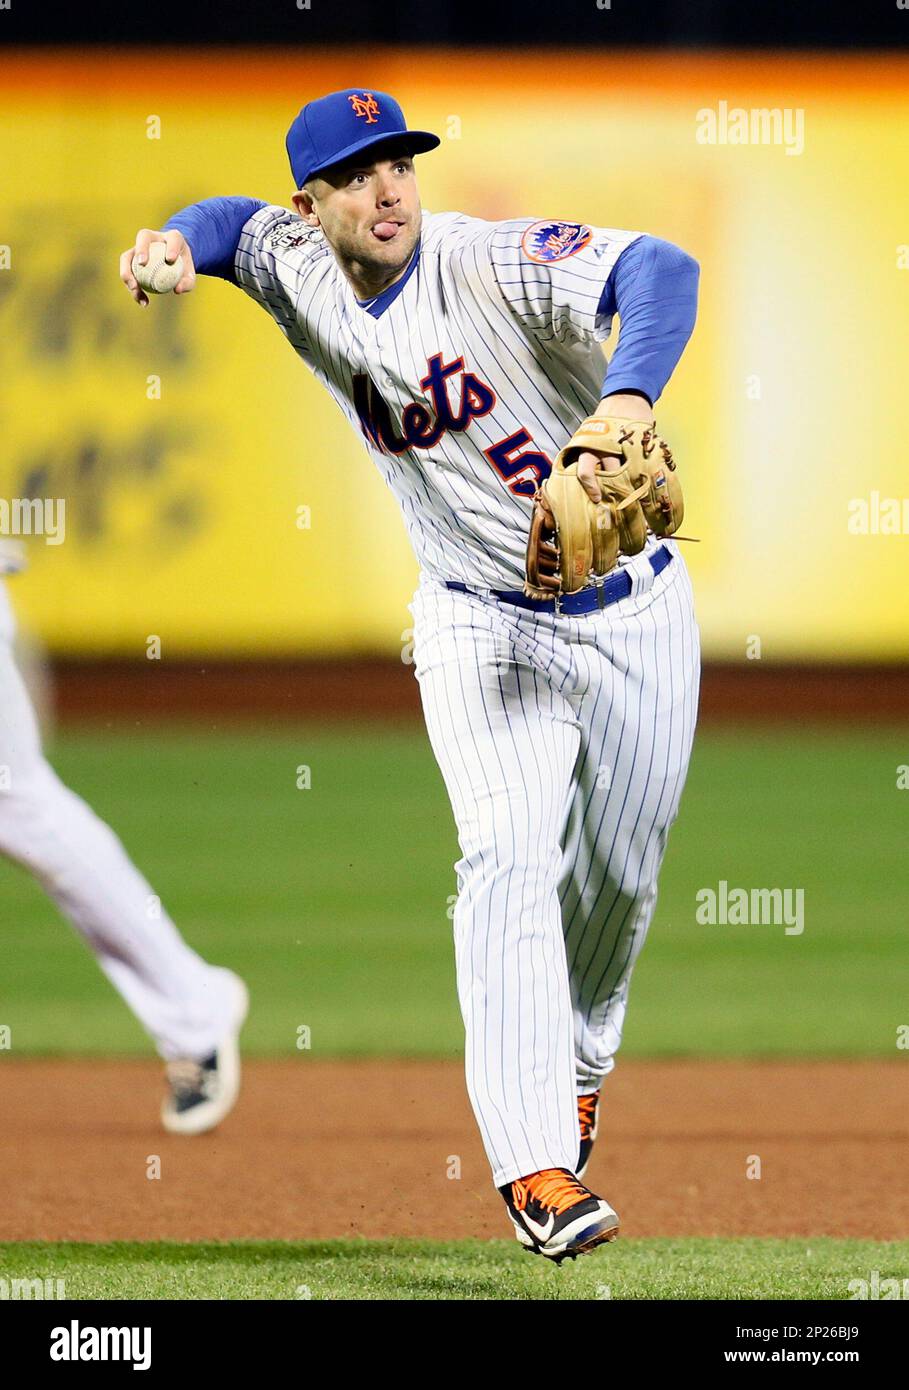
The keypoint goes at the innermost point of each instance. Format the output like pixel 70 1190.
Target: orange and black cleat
pixel 557 1216
pixel 588 1114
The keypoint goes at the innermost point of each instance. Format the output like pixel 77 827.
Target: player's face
pixel 369 214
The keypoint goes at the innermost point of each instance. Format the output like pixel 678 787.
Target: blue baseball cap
pixel 344 123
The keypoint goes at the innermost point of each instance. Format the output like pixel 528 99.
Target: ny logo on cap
pixel 366 105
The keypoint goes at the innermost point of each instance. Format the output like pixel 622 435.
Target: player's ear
pixel 305 207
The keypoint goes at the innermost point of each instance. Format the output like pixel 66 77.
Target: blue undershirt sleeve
pixel 653 288
pixel 212 230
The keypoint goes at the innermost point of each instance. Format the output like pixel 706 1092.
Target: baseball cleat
pixel 555 1215
pixel 201 1094
pixel 588 1115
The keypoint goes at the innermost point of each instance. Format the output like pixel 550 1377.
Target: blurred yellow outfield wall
pixel 186 439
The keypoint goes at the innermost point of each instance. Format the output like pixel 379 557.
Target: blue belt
pixel 600 594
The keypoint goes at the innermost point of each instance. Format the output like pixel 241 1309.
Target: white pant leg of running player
pixel 186 1005
pixel 634 758
pixel 517 705
pixel 506 741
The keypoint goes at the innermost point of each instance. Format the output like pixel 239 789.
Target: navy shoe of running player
pixel 201 1093
pixel 555 1215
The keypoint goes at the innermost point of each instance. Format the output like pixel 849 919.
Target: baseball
pixel 156 276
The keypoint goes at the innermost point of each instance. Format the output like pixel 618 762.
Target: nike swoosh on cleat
pixel 541 1233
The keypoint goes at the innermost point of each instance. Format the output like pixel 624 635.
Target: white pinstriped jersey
pixel 468 382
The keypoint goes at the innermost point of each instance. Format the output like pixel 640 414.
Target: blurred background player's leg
pixel 188 1007
pixel 638 715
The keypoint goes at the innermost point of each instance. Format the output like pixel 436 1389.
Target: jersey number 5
pixel 522 472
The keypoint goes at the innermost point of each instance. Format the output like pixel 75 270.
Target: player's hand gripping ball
pixel 156 276
pixel 574 539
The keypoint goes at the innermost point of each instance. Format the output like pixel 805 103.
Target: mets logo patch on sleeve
pixel 553 241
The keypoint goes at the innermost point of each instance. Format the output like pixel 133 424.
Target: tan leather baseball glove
pixel 572 538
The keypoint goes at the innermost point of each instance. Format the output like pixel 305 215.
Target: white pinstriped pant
pixel 564 744
pixel 185 1004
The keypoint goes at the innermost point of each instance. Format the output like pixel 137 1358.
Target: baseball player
pixel 559 695
pixel 192 1010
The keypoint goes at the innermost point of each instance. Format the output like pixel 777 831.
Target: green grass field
pixel 637 1269
pixel 333 901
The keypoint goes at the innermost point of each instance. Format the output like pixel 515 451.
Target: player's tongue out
pixel 386 230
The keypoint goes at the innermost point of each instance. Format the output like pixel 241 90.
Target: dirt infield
pixel 322 1149
pixel 365 688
